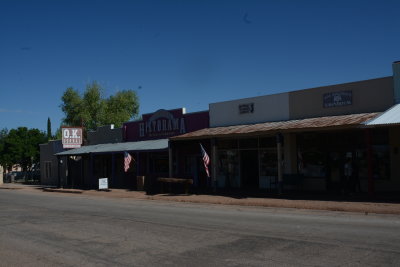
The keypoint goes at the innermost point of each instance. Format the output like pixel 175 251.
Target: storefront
pixel 304 140
pixel 145 140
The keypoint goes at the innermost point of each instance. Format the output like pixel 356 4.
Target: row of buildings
pixel 303 140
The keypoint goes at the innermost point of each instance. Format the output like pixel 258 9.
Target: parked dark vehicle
pixel 22 177
pixel 13 176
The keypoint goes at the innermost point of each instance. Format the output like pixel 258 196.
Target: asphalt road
pixel 55 229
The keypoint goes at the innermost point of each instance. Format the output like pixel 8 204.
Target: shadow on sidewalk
pixel 390 197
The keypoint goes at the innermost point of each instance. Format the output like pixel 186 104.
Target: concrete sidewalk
pixel 274 202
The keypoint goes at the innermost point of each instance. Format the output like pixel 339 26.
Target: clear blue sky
pixel 185 53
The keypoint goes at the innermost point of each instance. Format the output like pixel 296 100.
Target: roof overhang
pixel 390 117
pixel 309 124
pixel 151 145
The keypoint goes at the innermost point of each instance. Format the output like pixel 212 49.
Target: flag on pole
pixel 206 159
pixel 127 161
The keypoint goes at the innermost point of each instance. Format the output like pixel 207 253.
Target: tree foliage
pixel 72 106
pixel 49 135
pixel 93 110
pixel 21 146
pixel 4 159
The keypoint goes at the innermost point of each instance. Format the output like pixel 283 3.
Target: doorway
pixel 249 169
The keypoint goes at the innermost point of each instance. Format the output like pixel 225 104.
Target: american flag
pixel 127 161
pixel 206 159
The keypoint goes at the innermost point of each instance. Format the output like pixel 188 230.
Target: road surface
pixel 55 229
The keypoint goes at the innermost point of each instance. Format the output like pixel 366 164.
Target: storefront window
pixel 227 143
pixel 268 162
pixel 311 155
pixel 228 168
pixel 248 143
pixel 267 142
pixel 381 161
pixel 312 163
pixel 159 163
pixel 324 154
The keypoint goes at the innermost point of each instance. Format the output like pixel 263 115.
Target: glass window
pixel 227 143
pixel 268 162
pixel 266 142
pixel 228 168
pixel 248 143
pixel 381 161
pixel 159 163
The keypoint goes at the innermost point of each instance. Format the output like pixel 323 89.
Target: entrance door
pixel 249 168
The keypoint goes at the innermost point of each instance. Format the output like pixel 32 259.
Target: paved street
pixel 48 229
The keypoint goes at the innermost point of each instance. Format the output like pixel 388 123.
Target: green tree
pixel 49 135
pixel 72 107
pixel 93 110
pixel 57 134
pixel 120 107
pixel 5 161
pixel 93 106
pixel 21 146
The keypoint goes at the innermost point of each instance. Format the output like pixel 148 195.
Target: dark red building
pixel 158 127
pixel 146 141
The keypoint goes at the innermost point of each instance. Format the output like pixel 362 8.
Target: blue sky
pixel 185 53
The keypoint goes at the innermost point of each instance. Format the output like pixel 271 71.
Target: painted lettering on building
pixel 338 99
pixel 71 137
pixel 246 108
pixel 162 124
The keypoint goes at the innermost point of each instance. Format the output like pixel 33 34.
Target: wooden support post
pixel 279 150
pixel 66 170
pixel 371 183
pixel 137 164
pixel 92 178
pixel 170 159
pixel 112 169
pixel 58 171
pixel 214 164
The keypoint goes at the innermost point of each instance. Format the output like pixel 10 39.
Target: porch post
pixel 279 150
pixel 113 168
pixel 82 182
pixel 58 171
pixel 66 170
pixel 92 182
pixel 371 185
pixel 137 164
pixel 170 160
pixel 214 164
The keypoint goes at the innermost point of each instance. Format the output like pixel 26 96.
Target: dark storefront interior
pixel 323 155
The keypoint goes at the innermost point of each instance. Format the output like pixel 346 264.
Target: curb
pixel 73 191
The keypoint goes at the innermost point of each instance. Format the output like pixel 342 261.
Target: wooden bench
pixel 170 181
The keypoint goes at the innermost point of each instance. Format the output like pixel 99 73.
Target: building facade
pixel 50 169
pixel 104 134
pixel 304 139
pixel 145 140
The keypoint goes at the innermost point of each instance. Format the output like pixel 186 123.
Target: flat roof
pixel 150 145
pixel 330 122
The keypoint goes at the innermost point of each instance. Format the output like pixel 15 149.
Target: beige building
pixel 308 139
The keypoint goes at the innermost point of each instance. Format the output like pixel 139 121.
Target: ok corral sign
pixel 71 137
